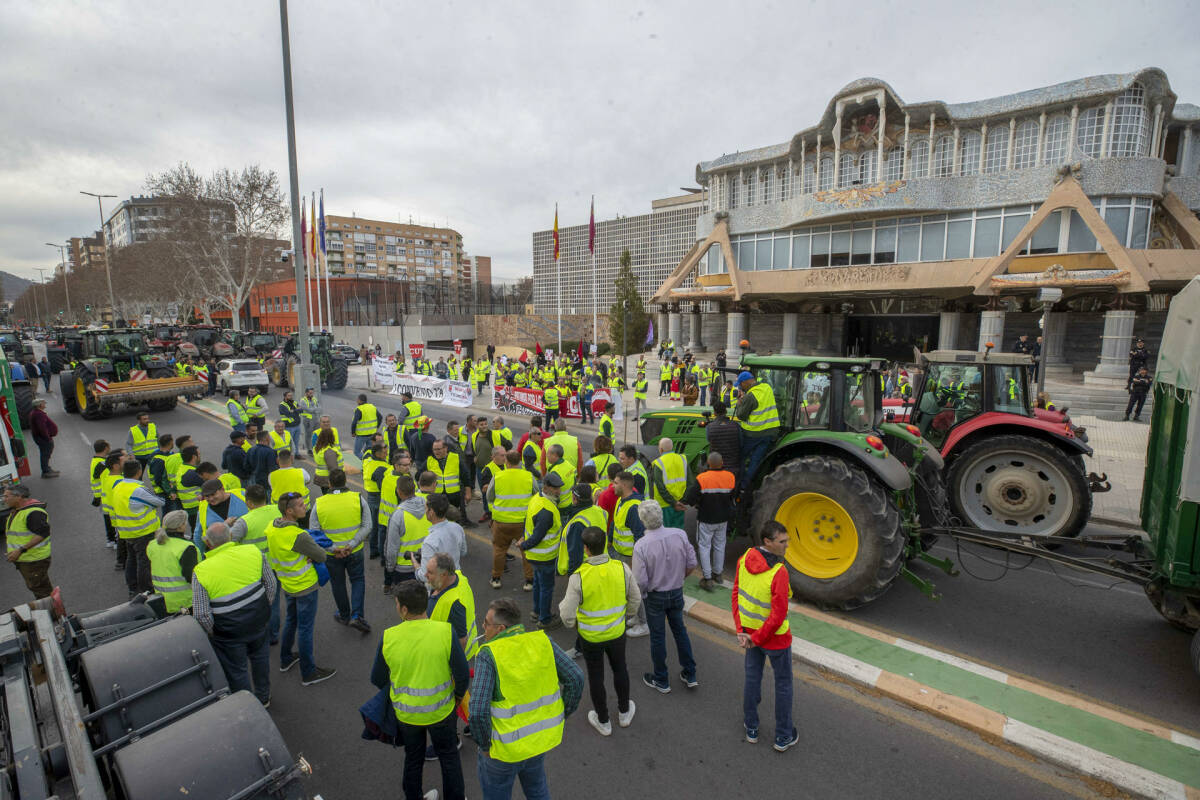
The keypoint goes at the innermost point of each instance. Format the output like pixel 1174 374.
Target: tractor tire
pixel 819 499
pixel 24 397
pixel 338 375
pixel 167 403
pixel 66 390
pixel 1040 486
pixel 91 410
pixel 58 358
pixel 933 502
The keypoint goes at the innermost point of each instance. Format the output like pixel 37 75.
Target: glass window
pixel 1025 145
pixel 763 258
pixel 839 251
pixel 783 385
pixel 820 248
pixel 958 239
pixel 1141 226
pixel 825 179
pixel 858 403
pixel 996 156
pixel 1117 218
pixel 1054 146
pixel 1012 226
pixel 933 241
pixel 808 173
pixel 746 254
pixel 885 245
pixel 800 252
pixel 1127 134
pixel 781 182
pixel 734 180
pixel 987 237
pixel 968 153
pixel 860 249
pixel 1008 388
pixel 814 389
pixel 866 166
pixel 910 242
pixel 943 157
pixel 848 171
pixel 1089 132
pixel 1045 238
pixel 768 184
pixel 781 258
pixel 895 164
pixel 918 162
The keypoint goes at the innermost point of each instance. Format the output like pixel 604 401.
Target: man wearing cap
pixel 219 505
pixel 172 559
pixel 27 534
pixel 233 457
pixel 543 530
pixel 757 414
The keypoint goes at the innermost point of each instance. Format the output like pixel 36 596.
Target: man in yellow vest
pixel 601 595
pixel 557 465
pixel 407 528
pixel 27 533
pixel 96 469
pixel 543 529
pixel 550 401
pixel 346 519
pixel 607 428
pixel 421 666
pixel 452 479
pixel 232 591
pixel 374 467
pixel 289 478
pixel 172 559
pixel 252 529
pixel 160 467
pixel 292 554
pixel 523 689
pixel 310 411
pixel 281 438
pixel 451 600
pixel 759 602
pixel 365 422
pixel 508 495
pixel 217 504
pixel 669 480
pixel 111 473
pixel 142 439
pixel 572 451
pixel 135 516
pixel 757 414
pixel 238 416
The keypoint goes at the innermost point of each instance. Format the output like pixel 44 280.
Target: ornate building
pixel 889 225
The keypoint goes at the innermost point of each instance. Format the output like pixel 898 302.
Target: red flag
pixel 592 228
pixel 537 348
pixel 524 357
pixel 580 350
pixel 555 232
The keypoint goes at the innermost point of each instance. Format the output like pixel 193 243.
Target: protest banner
pixel 528 402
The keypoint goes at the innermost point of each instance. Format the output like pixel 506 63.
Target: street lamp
pixel 112 299
pixel 62 254
pixel 45 297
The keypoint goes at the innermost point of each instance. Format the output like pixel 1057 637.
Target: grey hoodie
pixel 395 530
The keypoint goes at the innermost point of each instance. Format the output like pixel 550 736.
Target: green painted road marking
pixel 1176 761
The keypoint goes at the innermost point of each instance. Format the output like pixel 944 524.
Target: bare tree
pixel 225 229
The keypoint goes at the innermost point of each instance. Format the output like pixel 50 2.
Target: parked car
pixel 241 374
pixel 346 353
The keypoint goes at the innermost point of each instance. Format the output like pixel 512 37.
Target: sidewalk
pixel 1138 756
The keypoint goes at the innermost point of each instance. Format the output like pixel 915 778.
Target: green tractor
pixel 334 370
pixel 853 508
pixel 116 368
pixel 253 344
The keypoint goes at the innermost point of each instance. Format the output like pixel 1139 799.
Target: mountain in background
pixel 13 285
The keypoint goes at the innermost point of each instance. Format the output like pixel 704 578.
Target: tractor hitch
pixel 1099 483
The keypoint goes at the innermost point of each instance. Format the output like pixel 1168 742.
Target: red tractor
pixel 1009 467
pixel 203 341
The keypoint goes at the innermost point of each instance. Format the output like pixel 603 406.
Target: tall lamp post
pixel 112 298
pixel 45 296
pixel 62 254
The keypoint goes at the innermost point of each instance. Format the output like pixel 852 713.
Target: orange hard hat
pixel 744 343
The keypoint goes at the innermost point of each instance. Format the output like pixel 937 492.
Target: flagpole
pixel 312 240
pixel 302 248
pixel 324 252
pixel 595 281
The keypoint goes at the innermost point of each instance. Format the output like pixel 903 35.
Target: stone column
pixel 949 323
pixel 660 326
pixel 735 331
pixel 991 329
pixel 1113 369
pixel 1054 337
pixel 674 323
pixel 791 326
pixel 694 344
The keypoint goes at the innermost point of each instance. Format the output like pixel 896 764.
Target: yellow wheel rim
pixel 823 540
pixel 81 394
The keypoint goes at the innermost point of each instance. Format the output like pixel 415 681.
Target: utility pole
pixel 62 254
pixel 112 298
pixel 307 376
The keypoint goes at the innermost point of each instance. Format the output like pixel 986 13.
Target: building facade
pixel 656 242
pixel 889 225
pixel 85 252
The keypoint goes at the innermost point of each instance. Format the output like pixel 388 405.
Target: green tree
pixel 627 319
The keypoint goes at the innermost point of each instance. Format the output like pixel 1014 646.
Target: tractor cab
pixel 959 387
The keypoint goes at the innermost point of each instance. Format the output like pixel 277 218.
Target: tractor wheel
pixel 85 399
pixel 933 501
pixel 23 395
pixel 846 543
pixel 66 390
pixel 1019 484
pixel 58 359
pixel 166 403
pixel 338 374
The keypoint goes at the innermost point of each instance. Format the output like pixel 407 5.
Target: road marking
pixel 946 658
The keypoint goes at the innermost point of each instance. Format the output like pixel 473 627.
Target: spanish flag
pixel 556 231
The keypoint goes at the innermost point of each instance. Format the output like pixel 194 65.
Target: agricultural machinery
pixel 21 384
pixel 117 368
pixel 333 368
pixel 203 341
pixel 253 344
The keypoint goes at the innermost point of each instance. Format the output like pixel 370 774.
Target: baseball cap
pixel 582 491
pixel 553 480
pixel 743 377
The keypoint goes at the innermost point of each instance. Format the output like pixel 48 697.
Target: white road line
pixel 954 661
pixel 86 440
pixel 1185 740
pixel 858 671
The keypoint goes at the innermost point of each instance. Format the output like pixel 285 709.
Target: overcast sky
pixel 483 115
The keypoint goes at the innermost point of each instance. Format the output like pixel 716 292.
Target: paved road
pixel 682 744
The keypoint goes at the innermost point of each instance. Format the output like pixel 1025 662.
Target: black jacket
pixel 233 461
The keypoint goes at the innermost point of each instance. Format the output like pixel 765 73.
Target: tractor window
pixel 120 343
pixel 204 338
pixel 858 405
pixel 1008 388
pixel 814 406
pixel 783 384
pixel 952 394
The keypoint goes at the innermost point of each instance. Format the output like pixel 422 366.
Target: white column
pixel 693 342
pixel 800 172
pixel 1054 337
pixel 1037 157
pixel 956 158
pixel 1012 140
pixel 1153 151
pixel 817 166
pixel 1071 132
pixel 904 171
pixel 673 327
pixel 660 326
pixel 982 146
pixel 791 327
pixel 932 118
pixel 735 331
pixel 837 149
pixel 949 323
pixel 879 145
pixel 1113 369
pixel 991 329
pixel 1108 109
pixel 1181 161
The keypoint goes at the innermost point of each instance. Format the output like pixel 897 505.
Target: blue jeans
pixel 663 608
pixel 376 540
pixel 781 665
pixel 295 432
pixel 543 588
pixel 45 448
pixel 273 625
pixel 496 778
pixel 754 450
pixel 361 443
pixel 234 657
pixel 585 407
pixel 241 426
pixel 703 392
pixel 301 619
pixel 339 569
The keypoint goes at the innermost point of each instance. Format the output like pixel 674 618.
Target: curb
pixel 990 724
pixel 1114 522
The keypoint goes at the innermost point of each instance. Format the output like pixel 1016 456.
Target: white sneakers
pixel 638 630
pixel 624 719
